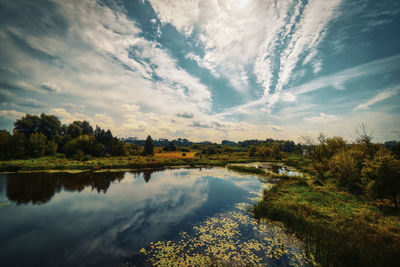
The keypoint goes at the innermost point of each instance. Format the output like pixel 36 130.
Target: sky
pixel 203 69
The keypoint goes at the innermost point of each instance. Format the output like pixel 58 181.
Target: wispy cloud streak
pixel 385 94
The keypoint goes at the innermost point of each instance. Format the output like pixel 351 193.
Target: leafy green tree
pixel 49 125
pixel 275 151
pixel 364 140
pixel 74 130
pixel 36 145
pixel 172 146
pixel 85 144
pixel 288 146
pixel 383 172
pixel 119 148
pixel 148 146
pixel 344 167
pixel 85 127
pixel 252 151
pixel 17 143
pixel 4 145
pixel 395 148
pixel 317 153
pixel 334 145
pixel 27 125
pixel 104 137
pixel 51 147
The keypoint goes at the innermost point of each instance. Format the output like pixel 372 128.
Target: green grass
pixel 129 162
pixel 60 162
pixel 339 228
pixel 246 169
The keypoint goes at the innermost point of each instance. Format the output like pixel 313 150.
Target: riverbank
pixel 59 163
pixel 339 228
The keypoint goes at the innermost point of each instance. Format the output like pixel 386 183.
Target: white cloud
pixel 236 35
pixel 322 118
pixel 379 97
pixel 309 33
pixel 339 86
pixel 95 66
pixel 51 87
pixel 180 13
pixel 384 65
pixel 11 114
pixel 203 64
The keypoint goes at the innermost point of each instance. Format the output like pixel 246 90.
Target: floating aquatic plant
pixel 230 238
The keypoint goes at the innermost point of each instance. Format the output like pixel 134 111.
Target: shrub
pixel 383 174
pixel 36 145
pixel 343 166
pixel 51 147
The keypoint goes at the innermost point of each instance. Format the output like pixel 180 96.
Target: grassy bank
pixel 246 169
pixel 132 162
pixel 339 228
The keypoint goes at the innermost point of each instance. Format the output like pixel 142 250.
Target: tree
pixel 383 172
pixel 148 146
pixel 85 127
pixel 74 130
pixel 4 144
pixel 364 139
pixel 36 145
pixel 252 151
pixel 317 153
pixel 84 144
pixel 334 145
pixel 120 148
pixel 275 151
pixel 288 146
pixel 171 146
pixel 27 125
pixel 105 138
pixel 16 145
pixel 345 168
pixel 49 125
pixel 51 147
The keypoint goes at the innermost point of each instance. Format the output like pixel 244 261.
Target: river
pixel 174 216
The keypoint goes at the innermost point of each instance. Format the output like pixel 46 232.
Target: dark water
pixel 106 219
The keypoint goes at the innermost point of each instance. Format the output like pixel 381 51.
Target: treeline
pixel 35 136
pixel 274 149
pixel 363 167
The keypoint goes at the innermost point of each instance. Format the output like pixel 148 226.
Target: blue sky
pixel 204 70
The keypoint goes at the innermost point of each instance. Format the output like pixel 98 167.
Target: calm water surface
pixel 192 216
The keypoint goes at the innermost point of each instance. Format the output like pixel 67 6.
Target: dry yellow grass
pixel 175 155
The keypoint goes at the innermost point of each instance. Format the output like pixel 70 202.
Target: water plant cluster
pixel 229 238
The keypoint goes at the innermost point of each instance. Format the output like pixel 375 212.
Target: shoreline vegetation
pixel 340 227
pixel 60 163
pixel 345 205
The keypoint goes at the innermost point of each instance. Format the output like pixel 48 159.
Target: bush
pixel 85 144
pixel 383 174
pixel 36 145
pixel 86 158
pixel 51 147
pixel 4 143
pixel 343 167
pixel 120 149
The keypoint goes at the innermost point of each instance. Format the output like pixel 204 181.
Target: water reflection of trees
pixel 39 188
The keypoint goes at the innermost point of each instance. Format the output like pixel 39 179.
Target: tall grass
pixel 246 169
pixel 341 239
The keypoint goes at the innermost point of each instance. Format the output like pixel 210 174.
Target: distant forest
pixel 36 136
